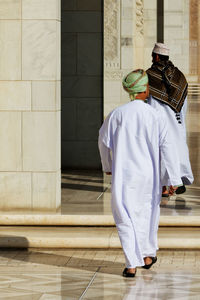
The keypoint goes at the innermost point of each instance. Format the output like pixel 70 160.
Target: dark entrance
pixel 82 82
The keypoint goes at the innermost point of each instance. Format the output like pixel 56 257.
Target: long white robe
pixel 136 136
pixel 176 125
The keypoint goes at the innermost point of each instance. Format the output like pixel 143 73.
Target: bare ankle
pixel 131 270
pixel 147 260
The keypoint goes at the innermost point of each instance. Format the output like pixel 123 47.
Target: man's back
pixel 134 138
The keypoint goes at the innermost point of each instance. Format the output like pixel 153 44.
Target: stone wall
pixel 129 36
pixel 130 32
pixel 118 50
pixel 30 105
pixel 176 32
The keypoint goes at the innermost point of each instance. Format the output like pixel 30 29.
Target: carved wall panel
pixel 140 17
pixel 112 34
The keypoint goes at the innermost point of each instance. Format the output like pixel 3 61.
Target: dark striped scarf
pixel 167 84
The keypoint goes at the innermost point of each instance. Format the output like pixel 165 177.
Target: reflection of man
pixel 168 95
pixel 137 136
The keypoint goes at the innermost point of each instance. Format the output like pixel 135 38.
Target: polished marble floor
pixel 88 192
pixel 96 275
pixel 85 192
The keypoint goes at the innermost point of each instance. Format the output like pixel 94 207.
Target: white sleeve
pixel 169 154
pixel 183 117
pixel 184 109
pixel 104 142
pixel 105 156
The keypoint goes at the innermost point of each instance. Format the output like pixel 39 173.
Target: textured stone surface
pixel 40 141
pixel 44 192
pixel 40 9
pixel 39 46
pixel 29 117
pixel 10 9
pixel 44 95
pixel 15 191
pixel 15 95
pixel 10 141
pixel 10 51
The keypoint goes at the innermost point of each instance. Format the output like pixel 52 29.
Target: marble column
pixel 30 105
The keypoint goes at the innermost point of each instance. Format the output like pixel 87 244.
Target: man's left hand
pixel 172 189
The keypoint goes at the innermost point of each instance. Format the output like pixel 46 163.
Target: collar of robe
pixel 145 101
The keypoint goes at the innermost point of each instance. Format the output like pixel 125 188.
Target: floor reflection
pixel 88 192
pixel 71 274
pixel 91 194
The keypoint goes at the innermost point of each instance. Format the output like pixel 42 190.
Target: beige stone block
pixel 112 89
pixel 176 49
pixel 10 9
pixel 180 63
pixel 124 94
pixel 150 4
pixel 170 33
pixel 44 191
pixel 150 28
pixel 58 95
pixel 108 107
pixel 173 19
pixel 10 50
pixel 15 191
pixel 127 27
pixel 15 95
pixel 58 53
pixel 138 57
pixel 58 191
pixel 150 14
pixel 127 13
pixel 39 45
pixel 186 50
pixel 44 95
pixel 127 57
pixel 193 124
pixel 150 42
pixel 127 3
pixel 139 42
pixel 58 140
pixel 40 141
pixel 173 5
pixel 59 9
pixel 110 100
pixel 40 9
pixel 147 58
pixel 10 141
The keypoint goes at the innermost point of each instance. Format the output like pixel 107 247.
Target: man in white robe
pixel 174 110
pixel 137 136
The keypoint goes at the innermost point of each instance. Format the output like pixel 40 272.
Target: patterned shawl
pixel 167 84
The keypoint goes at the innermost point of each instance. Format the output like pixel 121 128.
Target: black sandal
pixel 126 274
pixel 154 260
pixel 180 190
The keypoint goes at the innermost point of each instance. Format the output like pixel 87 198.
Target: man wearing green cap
pixel 137 136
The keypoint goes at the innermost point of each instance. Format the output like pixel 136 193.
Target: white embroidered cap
pixel 161 49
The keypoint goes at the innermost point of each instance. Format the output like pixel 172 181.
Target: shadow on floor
pixel 82 179
pixel 26 255
pixel 83 187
